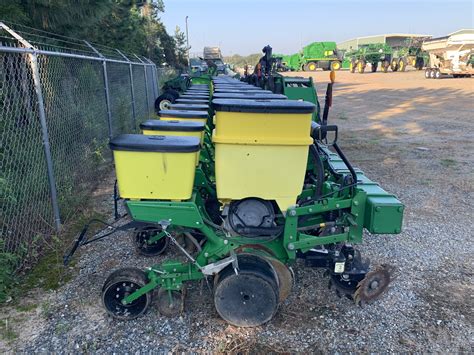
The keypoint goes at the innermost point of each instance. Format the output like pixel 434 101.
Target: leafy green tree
pixel 181 47
pixel 130 25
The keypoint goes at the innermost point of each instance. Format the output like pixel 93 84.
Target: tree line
pixel 130 25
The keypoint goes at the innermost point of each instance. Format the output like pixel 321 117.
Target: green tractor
pixel 371 53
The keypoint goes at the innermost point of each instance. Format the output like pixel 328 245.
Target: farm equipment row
pixel 243 179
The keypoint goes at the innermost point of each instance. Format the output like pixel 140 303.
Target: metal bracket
pixel 214 268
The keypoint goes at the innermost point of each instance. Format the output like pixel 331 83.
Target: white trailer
pixel 450 55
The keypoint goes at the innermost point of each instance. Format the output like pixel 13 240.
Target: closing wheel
pixel 336 65
pixel 120 284
pixel 141 240
pixel 250 298
pixel 170 303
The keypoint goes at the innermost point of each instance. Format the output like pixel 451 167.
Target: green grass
pixel 6 331
pixel 49 273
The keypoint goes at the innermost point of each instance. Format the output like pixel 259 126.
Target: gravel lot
pixel 414 137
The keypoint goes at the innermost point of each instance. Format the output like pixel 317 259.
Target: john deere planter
pixel 271 186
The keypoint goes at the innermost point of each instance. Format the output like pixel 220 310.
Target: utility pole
pixel 187 41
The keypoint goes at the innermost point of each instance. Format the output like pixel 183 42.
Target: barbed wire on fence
pixel 61 100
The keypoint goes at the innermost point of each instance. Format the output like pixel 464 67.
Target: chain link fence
pixel 61 100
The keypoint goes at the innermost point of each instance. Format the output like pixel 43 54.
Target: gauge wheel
pixel 121 283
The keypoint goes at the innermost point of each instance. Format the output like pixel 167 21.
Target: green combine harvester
pixel 243 186
pixel 323 55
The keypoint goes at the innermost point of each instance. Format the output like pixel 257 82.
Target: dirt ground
pixel 414 137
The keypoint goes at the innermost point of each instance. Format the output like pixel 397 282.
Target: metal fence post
pixel 44 126
pixel 153 77
pixel 106 87
pixel 146 85
pixel 132 91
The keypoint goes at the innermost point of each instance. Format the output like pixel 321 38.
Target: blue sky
pixel 246 26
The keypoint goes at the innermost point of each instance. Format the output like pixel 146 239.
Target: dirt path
pixel 414 137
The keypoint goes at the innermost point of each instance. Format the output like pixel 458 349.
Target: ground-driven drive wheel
pixel 120 284
pixel 249 298
pixel 394 65
pixel 402 64
pixel 437 74
pixel 427 73
pixel 352 66
pixel 311 66
pixel 373 68
pixel 164 101
pixel 170 303
pixel 336 65
pixel 142 237
pixel 361 66
pixel 385 66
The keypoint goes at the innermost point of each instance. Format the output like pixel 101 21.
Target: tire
pixel 394 65
pixel 432 73
pixel 164 100
pixel 385 66
pixel 311 66
pixel 402 64
pixel 437 74
pixel 427 73
pixel 373 68
pixel 361 66
pixel 120 283
pixel 420 63
pixel 336 65
pixel 352 66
